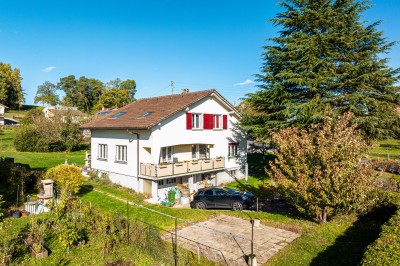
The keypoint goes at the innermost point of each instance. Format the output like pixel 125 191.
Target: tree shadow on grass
pixel 85 189
pixel 269 201
pixel 350 247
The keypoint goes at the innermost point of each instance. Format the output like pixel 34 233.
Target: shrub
pixel 39 134
pixel 386 249
pixel 318 169
pixel 67 177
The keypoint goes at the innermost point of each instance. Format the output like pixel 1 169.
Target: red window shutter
pixel 207 121
pixel 188 121
pixel 225 121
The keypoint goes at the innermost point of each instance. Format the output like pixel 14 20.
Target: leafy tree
pixel 115 98
pixel 129 85
pixel 67 177
pixel 319 170
pixel 11 92
pixel 83 93
pixel 68 85
pixel 40 134
pixel 325 58
pixel 46 94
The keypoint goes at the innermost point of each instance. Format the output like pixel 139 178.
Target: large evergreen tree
pixel 325 58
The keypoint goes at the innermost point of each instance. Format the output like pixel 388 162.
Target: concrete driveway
pixel 216 240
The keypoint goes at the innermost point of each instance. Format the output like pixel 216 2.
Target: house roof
pixel 147 112
pixel 3 105
pixel 66 112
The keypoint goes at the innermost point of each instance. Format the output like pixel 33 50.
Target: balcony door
pixel 167 154
pixel 200 151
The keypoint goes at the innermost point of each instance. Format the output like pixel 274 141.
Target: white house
pixel 63 111
pixel 153 144
pixel 2 110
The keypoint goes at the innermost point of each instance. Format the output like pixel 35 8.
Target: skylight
pixel 104 112
pixel 146 114
pixel 118 114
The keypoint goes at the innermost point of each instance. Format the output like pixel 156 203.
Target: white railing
pixel 178 168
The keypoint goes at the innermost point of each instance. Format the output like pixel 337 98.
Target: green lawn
pixel 386 149
pixel 341 241
pixel 37 160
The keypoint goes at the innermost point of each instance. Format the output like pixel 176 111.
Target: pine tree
pixel 325 58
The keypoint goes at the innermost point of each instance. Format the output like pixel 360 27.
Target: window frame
pixel 102 152
pixel 233 150
pixel 199 118
pixel 121 153
pixel 197 152
pixel 169 154
pixel 218 122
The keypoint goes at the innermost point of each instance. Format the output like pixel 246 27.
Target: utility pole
pixel 172 87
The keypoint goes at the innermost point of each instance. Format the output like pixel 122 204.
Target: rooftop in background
pixel 147 112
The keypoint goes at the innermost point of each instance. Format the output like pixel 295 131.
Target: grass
pixel 20 113
pixel 341 241
pixel 37 160
pixel 386 149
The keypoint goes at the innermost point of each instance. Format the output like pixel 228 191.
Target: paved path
pixel 267 240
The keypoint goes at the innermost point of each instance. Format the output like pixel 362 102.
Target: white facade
pixel 171 137
pixel 2 110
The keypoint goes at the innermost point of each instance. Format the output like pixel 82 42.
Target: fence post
pixel 176 242
pixel 127 220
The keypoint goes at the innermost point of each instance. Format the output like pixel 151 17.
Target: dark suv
pixel 222 197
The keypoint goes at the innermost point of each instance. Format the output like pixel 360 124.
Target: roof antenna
pixel 172 87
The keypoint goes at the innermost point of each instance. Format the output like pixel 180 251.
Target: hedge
pixel 386 249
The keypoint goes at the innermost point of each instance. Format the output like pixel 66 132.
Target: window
pixel 217 121
pixel 219 192
pixel 206 121
pixel 102 152
pixel 166 154
pixel 160 182
pixel 208 192
pixel 233 149
pixel 118 114
pixel 197 121
pixel 171 181
pixel 121 153
pixel 146 114
pixel 200 151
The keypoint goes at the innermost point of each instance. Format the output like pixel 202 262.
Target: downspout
pixel 137 156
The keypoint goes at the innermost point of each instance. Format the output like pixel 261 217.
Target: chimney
pixel 185 91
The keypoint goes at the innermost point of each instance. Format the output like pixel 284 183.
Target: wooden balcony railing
pixel 171 169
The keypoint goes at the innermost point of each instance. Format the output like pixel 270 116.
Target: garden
pixel 87 226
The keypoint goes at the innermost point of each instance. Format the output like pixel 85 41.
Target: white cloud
pixel 247 81
pixel 48 69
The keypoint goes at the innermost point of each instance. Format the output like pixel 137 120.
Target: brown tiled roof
pixel 67 112
pixel 160 107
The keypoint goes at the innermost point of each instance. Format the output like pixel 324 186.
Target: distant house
pixel 2 111
pixel 63 111
pixel 153 144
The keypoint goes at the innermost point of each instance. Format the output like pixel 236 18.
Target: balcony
pixel 181 168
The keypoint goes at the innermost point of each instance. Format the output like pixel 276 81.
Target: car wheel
pixel 237 206
pixel 200 205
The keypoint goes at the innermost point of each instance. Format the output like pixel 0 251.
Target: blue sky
pixel 198 44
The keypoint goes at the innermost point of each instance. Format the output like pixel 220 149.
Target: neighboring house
pixel 63 111
pixel 153 144
pixel 2 111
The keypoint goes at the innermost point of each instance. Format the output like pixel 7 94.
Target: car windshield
pixel 231 190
